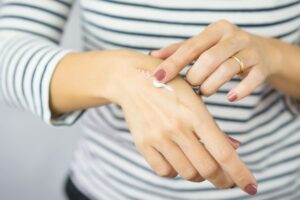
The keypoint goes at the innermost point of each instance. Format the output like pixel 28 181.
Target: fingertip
pixel 251 189
pixel 236 144
pixel 232 96
pixel 159 74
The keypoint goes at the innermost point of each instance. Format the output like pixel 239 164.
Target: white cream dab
pixel 156 83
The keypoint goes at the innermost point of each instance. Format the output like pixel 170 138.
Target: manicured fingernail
pixel 234 140
pixel 232 96
pixel 251 189
pixel 160 74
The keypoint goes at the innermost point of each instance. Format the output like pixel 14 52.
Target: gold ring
pixel 242 66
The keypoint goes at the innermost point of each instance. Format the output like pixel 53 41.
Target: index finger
pixel 219 147
pixel 185 54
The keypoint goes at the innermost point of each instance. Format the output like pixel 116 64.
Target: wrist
pixel 124 76
pixel 79 82
pixel 91 79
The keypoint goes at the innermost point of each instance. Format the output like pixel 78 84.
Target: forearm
pixel 89 79
pixel 80 81
pixel 286 78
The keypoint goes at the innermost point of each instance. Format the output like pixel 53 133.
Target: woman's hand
pixel 221 51
pixel 167 125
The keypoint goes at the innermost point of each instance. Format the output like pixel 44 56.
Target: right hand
pixel 167 126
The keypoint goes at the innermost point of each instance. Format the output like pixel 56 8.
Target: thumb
pixel 165 52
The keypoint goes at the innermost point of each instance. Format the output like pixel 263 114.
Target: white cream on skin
pixel 158 84
pixel 155 82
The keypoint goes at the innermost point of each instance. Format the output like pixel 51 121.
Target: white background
pixel 34 158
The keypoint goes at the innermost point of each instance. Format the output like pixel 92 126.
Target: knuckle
pixel 164 171
pixel 243 37
pixel 211 172
pixel 176 125
pixel 192 79
pixel 173 126
pixel 180 138
pixel 171 63
pixel 224 68
pixel 242 179
pixel 190 174
pixel 173 174
pixel 227 77
pixel 226 74
pixel 157 139
pixel 206 90
pixel 225 156
pixel 224 24
pixel 191 46
pixel 207 58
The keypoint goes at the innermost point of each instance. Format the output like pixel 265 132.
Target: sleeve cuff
pixel 67 118
pixel 293 105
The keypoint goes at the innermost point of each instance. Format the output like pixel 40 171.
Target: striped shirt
pixel 106 164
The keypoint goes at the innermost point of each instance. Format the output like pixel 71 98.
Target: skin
pixel 266 60
pixel 165 126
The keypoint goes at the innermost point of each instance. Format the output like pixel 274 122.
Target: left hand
pixel 213 51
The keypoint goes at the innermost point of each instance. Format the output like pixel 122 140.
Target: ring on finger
pixel 241 64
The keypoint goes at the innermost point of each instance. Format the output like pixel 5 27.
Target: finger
pixel 179 161
pixel 207 167
pixel 219 77
pixel 220 149
pixel 235 143
pixel 210 60
pixel 166 51
pixel 158 162
pixel 248 85
pixel 185 54
pixel 227 70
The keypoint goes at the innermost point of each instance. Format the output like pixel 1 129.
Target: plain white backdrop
pixel 34 158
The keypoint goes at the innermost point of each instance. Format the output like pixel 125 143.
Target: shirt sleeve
pixel 293 104
pixel 30 32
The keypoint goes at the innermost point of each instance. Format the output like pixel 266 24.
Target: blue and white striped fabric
pixel 106 164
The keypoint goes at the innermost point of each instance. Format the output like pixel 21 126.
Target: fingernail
pixel 160 74
pixel 251 189
pixel 232 96
pixel 234 140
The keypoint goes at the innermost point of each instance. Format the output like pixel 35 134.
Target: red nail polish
pixel 232 96
pixel 251 189
pixel 160 74
pixel 234 140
